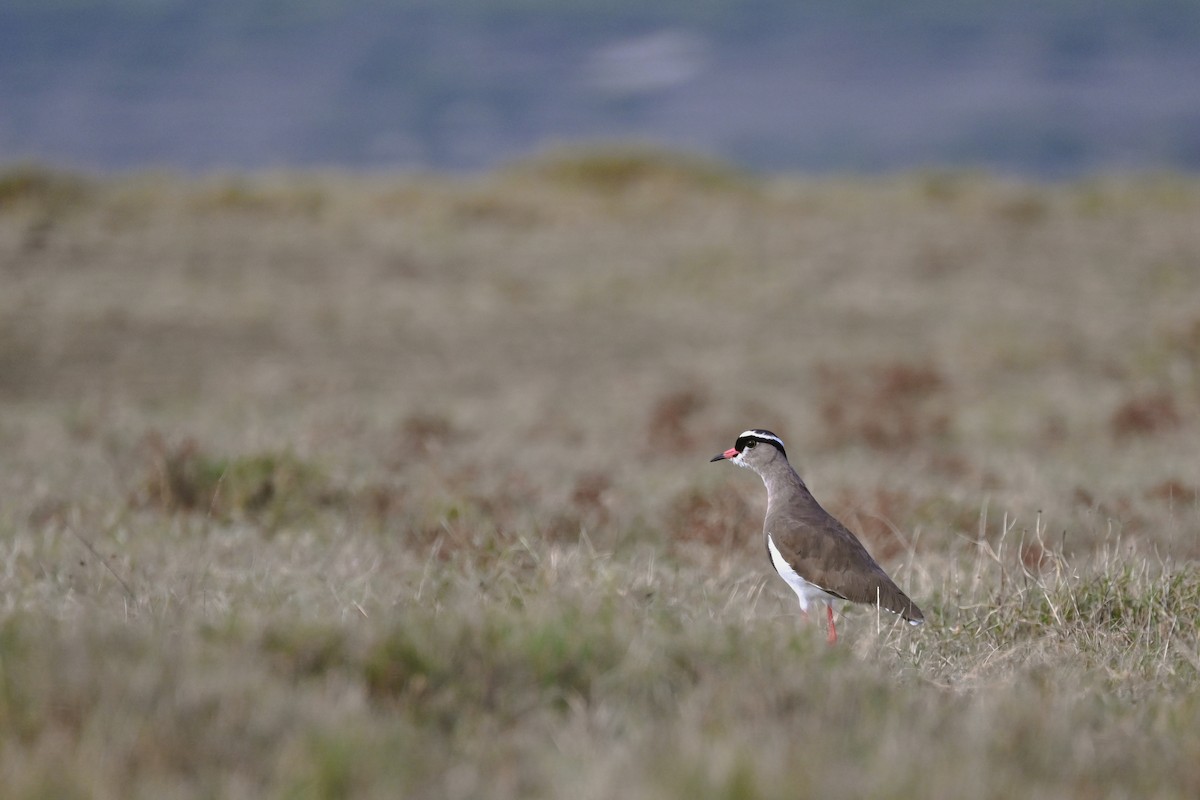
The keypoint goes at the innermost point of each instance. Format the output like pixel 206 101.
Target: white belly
pixel 807 592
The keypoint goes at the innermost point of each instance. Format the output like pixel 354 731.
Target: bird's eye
pixel 750 445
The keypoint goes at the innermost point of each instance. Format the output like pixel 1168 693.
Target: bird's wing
pixel 825 553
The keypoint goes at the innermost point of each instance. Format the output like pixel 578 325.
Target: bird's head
pixel 754 449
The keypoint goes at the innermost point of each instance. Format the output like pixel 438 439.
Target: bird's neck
pixel 782 482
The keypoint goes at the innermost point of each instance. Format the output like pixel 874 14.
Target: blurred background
pixel 336 461
pixel 1041 88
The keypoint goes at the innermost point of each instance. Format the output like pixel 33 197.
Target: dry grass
pixel 323 486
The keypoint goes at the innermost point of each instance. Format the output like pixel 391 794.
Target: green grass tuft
pixel 271 489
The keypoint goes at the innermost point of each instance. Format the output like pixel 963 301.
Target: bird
pixel 811 550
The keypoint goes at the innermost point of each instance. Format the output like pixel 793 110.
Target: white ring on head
pixel 762 437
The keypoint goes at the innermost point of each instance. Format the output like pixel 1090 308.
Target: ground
pixel 329 485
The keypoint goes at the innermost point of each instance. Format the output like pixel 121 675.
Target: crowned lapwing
pixel 818 557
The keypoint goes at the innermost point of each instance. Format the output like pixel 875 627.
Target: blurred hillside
pixel 1042 88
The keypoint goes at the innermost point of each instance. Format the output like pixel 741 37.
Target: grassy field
pixel 321 485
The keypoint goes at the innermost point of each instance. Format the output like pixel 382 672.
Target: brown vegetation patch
pixel 1174 492
pixel 270 488
pixel 1145 415
pixel 175 477
pixel 621 169
pixel 513 494
pixel 1024 210
pixel 669 427
pixel 1035 557
pixel 951 465
pixel 591 497
pixel 381 501
pixel 420 434
pixel 588 510
pixel 886 519
pixel 887 407
pixel 719 519
pixel 1120 510
pixel 1083 497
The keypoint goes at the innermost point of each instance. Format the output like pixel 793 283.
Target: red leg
pixel 832 628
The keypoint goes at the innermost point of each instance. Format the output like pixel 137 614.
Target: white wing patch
pixel 807 592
